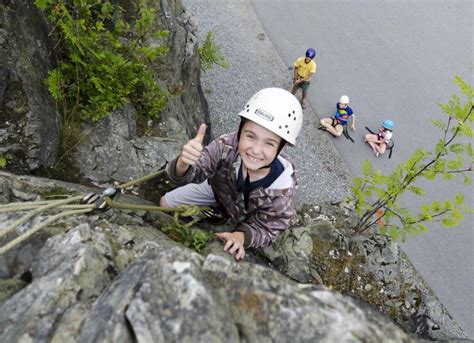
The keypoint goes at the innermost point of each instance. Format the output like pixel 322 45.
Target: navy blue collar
pixel 276 168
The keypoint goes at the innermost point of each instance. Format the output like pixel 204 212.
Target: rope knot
pixel 188 210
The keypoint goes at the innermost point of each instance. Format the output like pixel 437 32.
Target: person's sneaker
pixel 322 128
pixel 215 216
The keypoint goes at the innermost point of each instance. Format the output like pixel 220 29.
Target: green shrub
pixel 210 54
pixel 103 61
pixel 189 237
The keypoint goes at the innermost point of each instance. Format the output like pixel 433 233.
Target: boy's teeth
pixel 254 159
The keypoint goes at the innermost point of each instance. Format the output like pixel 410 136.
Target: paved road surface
pixel 395 59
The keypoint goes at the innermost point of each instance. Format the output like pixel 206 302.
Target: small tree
pixel 104 62
pixel 446 160
pixel 210 54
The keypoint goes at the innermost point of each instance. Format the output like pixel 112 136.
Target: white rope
pixel 30 215
pixel 31 232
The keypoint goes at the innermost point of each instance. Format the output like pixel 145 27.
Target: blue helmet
pixel 310 53
pixel 388 124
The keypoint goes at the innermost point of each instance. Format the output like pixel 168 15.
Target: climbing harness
pixel 345 131
pixel 390 143
pixel 93 202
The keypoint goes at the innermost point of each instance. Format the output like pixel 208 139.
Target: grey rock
pixel 169 312
pixel 381 259
pixel 5 192
pixel 302 311
pixel 98 279
pixel 23 196
pixel 10 287
pixel 315 275
pixel 29 121
pixel 434 322
pixel 112 151
pixel 292 254
pixel 64 271
pixel 3 269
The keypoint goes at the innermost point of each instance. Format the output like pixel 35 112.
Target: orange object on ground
pixel 379 214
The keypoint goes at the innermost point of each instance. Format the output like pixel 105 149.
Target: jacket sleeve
pixel 206 165
pixel 264 227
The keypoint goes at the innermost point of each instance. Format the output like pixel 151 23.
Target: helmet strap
pixel 241 125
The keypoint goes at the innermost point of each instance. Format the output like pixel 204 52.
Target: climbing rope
pixel 31 232
pixel 185 211
pixel 37 207
pixel 140 179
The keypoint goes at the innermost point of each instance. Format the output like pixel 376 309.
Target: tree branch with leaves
pixel 378 196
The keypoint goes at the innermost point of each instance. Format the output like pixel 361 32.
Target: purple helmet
pixel 310 53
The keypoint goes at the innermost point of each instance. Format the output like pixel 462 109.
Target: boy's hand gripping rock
pixel 191 151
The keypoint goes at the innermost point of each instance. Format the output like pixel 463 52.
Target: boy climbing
pixel 304 69
pixel 244 173
pixel 380 141
pixel 335 125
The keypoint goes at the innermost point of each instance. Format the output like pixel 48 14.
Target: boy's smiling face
pixel 257 146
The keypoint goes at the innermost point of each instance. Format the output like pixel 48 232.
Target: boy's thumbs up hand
pixel 191 151
pixel 201 133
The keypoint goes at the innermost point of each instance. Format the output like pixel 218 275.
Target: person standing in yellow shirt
pixel 304 69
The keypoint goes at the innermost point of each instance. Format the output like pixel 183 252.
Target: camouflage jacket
pixel 269 210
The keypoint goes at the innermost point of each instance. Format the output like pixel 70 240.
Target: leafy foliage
pixel 210 54
pixel 3 161
pixel 448 159
pixel 189 237
pixel 103 60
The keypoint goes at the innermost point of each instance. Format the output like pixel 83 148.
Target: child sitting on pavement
pixel 244 173
pixel 335 125
pixel 379 141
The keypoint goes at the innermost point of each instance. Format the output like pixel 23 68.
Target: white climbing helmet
pixel 344 99
pixel 276 110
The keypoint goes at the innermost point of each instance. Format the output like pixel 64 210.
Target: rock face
pixel 29 121
pixel 112 149
pixel 322 249
pixel 188 107
pixel 113 277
